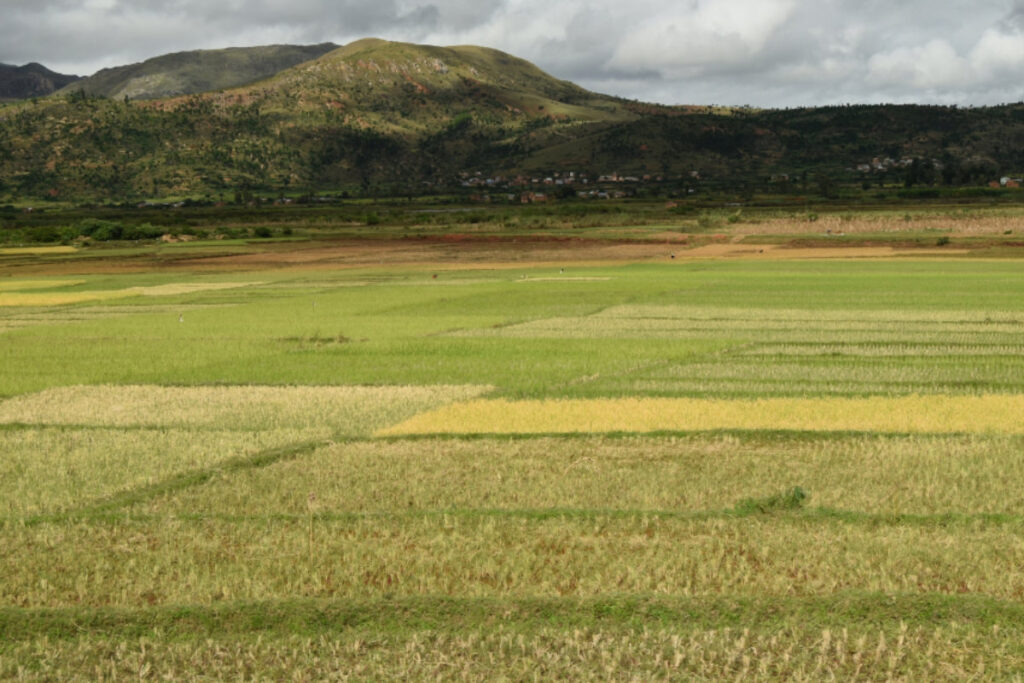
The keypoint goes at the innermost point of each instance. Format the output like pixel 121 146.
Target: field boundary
pixel 407 614
pixel 741 510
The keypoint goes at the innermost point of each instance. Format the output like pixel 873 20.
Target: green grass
pixel 862 636
pixel 551 337
pixel 191 487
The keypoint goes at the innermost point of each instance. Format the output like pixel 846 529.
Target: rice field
pixel 700 470
pixel 12 293
pixel 323 412
pixel 936 414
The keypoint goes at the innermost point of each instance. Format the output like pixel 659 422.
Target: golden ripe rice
pixel 937 414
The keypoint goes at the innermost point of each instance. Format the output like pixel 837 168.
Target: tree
pixel 826 186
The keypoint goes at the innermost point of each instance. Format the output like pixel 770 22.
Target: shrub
pixel 793 499
pixel 100 230
pixel 146 231
pixel 44 234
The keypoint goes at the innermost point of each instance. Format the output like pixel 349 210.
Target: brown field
pixel 964 224
pixel 793 237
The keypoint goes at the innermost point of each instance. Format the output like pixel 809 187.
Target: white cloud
pixel 701 33
pixel 761 52
pixel 932 65
pixel 998 54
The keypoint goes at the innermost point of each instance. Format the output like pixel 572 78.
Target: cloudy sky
pixel 772 53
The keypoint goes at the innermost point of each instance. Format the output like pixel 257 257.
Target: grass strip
pixel 433 613
pixel 112 514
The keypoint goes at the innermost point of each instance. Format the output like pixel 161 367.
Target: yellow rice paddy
pixel 58 298
pixel 931 414
pixel 34 251
pixel 9 297
pixel 16 285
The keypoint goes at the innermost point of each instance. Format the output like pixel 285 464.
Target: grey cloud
pixel 1015 19
pixel 760 52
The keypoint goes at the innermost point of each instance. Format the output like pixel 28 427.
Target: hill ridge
pixel 191 72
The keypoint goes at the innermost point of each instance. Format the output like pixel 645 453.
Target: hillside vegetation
pixel 387 118
pixel 198 71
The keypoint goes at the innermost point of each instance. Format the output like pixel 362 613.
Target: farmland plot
pixel 755 470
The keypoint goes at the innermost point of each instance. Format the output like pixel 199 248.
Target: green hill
pixel 393 117
pixel 185 73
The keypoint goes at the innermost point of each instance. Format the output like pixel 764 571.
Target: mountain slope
pixel 404 87
pixel 391 116
pixel 185 73
pixel 30 80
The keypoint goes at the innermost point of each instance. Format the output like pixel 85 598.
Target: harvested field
pixel 669 475
pixel 325 410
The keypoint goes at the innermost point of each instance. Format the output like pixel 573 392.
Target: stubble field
pixel 752 468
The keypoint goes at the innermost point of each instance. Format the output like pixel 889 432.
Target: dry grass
pixel 950 653
pixel 188 288
pixel 330 410
pixel 49 470
pixel 872 474
pixel 906 414
pixel 118 438
pixel 179 561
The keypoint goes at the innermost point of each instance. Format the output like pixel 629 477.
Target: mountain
pixel 186 73
pixel 384 117
pixel 31 80
pixel 399 86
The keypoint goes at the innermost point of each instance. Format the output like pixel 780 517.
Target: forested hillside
pixel 384 117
